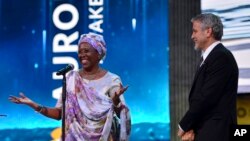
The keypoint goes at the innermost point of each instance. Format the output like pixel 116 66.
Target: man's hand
pixel 180 133
pixel 188 136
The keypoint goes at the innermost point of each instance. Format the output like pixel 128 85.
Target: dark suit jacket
pixel 212 98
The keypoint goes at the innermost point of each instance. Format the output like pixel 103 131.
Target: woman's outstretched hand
pixel 20 100
pixel 54 113
pixel 118 93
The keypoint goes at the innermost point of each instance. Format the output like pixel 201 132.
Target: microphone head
pixel 63 71
pixel 71 66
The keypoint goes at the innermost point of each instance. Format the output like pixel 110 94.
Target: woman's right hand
pixel 20 100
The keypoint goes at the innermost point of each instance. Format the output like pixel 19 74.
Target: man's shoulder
pixel 220 51
pixel 221 55
pixel 220 48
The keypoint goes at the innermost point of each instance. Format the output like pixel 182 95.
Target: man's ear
pixel 209 32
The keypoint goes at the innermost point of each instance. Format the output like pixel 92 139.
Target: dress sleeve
pixel 59 102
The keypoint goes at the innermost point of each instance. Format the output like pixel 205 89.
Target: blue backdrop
pixel 136 33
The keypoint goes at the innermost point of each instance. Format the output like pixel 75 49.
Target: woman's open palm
pixel 20 100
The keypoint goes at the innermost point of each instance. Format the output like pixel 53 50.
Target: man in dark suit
pixel 212 98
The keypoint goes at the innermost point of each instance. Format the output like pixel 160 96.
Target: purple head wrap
pixel 96 41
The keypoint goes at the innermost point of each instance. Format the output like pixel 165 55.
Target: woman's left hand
pixel 118 93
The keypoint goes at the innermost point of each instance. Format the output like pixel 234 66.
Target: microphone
pixel 65 70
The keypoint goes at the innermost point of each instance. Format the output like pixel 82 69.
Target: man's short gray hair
pixel 208 20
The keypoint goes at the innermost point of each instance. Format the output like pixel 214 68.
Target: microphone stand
pixel 63 105
pixel 63 73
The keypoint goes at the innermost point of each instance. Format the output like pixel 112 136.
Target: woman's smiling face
pixel 88 56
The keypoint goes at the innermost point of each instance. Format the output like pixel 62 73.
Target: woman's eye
pixel 84 51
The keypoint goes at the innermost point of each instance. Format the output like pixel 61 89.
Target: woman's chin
pixel 86 66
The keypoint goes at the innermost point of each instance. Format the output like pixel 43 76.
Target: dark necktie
pixel 201 61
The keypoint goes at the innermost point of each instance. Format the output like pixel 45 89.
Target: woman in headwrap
pixel 95 107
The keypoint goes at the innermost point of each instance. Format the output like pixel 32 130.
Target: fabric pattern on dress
pixel 89 114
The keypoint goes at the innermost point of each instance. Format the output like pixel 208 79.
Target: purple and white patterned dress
pixel 90 114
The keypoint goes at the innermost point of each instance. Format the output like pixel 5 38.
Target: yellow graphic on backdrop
pixel 56 134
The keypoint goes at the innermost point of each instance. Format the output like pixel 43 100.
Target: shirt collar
pixel 209 49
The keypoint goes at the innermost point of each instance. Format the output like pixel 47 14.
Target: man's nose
pixel 192 36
